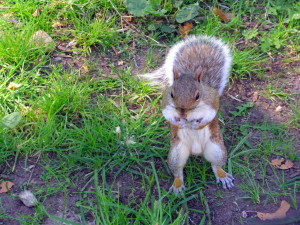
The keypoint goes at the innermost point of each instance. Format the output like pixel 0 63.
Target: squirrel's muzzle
pixel 182 112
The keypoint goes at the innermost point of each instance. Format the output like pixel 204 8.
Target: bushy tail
pixel 156 78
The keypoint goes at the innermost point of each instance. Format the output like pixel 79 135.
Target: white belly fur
pixel 194 140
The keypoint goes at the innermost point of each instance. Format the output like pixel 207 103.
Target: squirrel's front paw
pixel 195 124
pixel 227 181
pixel 182 123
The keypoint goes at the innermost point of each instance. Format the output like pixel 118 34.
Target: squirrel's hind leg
pixel 217 157
pixel 215 152
pixel 178 155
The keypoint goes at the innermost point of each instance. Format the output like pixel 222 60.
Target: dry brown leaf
pixel 229 15
pixel 279 214
pixel 255 96
pixel 71 44
pixel 282 164
pixel 5 186
pixel 115 50
pixel 85 69
pixel 185 29
pixel 128 18
pixel 58 25
pixel 120 63
pixel 266 27
pixel 287 165
pixel 37 12
pixel 42 39
pixel 277 162
pixel 220 14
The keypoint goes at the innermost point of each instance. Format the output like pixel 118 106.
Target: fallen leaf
pixel 244 214
pixel 71 44
pixel 13 86
pixel 277 162
pixel 128 18
pixel 255 96
pixel 279 214
pixel 120 63
pixel 278 109
pixel 62 55
pixel 62 48
pixel 37 12
pixel 287 165
pixel 58 24
pixel 42 39
pixel 282 164
pixel 5 186
pixel 99 15
pixel 185 29
pixel 85 69
pixel 118 130
pixel 28 198
pixel 130 141
pixel 11 120
pixel 219 13
pixel 115 50
pixel 229 15
pixel 266 27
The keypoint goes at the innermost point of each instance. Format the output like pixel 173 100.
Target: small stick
pixel 34 168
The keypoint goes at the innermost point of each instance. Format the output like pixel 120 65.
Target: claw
pixel 227 181
pixel 176 190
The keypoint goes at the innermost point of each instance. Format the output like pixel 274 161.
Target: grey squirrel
pixel 194 75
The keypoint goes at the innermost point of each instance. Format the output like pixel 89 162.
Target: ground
pixel 128 187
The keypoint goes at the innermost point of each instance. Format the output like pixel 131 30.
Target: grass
pixel 97 140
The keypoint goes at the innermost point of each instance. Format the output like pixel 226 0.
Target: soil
pixel 228 210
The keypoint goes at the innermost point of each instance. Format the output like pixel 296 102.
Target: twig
pixel 235 98
pixel 34 167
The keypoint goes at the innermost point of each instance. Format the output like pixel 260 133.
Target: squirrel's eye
pixel 197 96
pixel 172 96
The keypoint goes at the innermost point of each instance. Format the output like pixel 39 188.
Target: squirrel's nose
pixel 182 113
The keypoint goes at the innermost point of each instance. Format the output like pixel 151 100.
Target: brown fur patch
pixel 221 173
pixel 174 133
pixel 177 182
pixel 211 97
pixel 174 136
pixel 215 131
pixel 202 126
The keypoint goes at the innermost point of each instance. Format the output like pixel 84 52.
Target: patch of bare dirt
pixel 225 210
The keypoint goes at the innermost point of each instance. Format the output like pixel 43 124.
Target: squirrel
pixel 194 75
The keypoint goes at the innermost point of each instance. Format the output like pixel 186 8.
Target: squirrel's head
pixel 185 92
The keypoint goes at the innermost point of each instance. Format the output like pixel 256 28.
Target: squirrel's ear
pixel 198 76
pixel 176 74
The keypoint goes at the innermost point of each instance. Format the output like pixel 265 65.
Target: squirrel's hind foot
pixel 227 181
pixel 177 186
pixel 225 178
pixel 176 190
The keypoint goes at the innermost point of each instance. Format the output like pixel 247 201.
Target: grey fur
pixel 196 54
